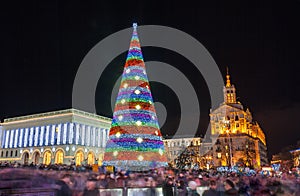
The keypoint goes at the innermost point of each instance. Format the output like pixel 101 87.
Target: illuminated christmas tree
pixel 135 141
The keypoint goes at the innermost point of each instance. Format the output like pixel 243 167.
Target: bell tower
pixel 229 90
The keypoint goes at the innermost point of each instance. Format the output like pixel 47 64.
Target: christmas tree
pixel 135 141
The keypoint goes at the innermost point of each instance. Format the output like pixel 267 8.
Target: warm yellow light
pixel 137 92
pixel 125 85
pixel 150 102
pixel 137 77
pixel 140 158
pixel 118 134
pixel 156 132
pixel 123 101
pixel 115 153
pixel 139 140
pixel 138 123
pixel 137 107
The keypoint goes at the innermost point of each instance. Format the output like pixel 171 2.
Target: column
pixel 36 136
pixel 11 139
pixel 88 136
pixel 77 134
pixel 6 139
pixel 47 135
pixel 82 134
pixel 98 133
pixel 58 138
pixel 26 137
pixel 103 138
pixel 71 132
pixel 16 138
pixel 42 133
pixel 31 136
pixel 65 128
pixel 52 135
pixel 93 136
pixel 21 137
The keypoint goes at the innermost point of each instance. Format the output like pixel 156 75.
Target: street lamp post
pixel 230 150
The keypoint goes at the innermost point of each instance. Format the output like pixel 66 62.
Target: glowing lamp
pixel 137 92
pixel 115 153
pixel 139 140
pixel 120 117
pixel 138 123
pixel 137 107
pixel 140 158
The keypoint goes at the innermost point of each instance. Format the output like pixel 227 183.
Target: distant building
pixel 296 157
pixel 235 139
pixel 60 137
pixel 238 139
pixel 175 146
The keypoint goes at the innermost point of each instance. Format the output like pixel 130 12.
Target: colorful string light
pixel 135 141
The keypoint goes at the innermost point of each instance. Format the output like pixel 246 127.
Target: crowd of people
pixel 83 181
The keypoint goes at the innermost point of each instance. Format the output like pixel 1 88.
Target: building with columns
pixel 237 138
pixel 59 137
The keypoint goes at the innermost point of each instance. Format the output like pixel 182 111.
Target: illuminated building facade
pixel 296 157
pixel 238 139
pixel 59 137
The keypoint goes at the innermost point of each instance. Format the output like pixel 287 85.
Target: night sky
pixel 44 42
